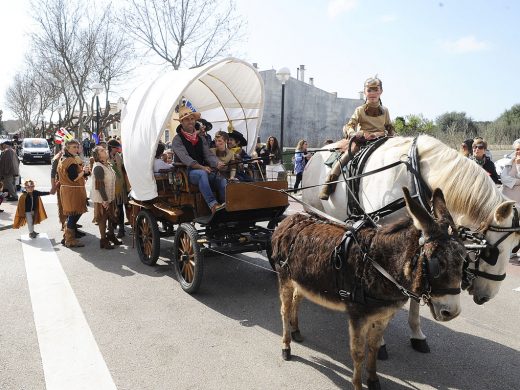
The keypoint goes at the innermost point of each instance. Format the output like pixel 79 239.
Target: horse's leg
pixel 286 298
pixel 376 329
pixel 295 328
pixel 418 338
pixel 357 337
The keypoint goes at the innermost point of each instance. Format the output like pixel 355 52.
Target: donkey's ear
pixel 421 219
pixel 440 210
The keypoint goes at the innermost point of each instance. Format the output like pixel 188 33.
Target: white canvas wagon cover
pixel 229 91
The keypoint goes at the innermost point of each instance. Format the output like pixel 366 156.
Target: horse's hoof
pixel 286 354
pixel 382 354
pixel 297 336
pixel 420 345
pixel 373 385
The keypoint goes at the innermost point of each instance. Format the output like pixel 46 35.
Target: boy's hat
pixel 206 124
pixel 237 136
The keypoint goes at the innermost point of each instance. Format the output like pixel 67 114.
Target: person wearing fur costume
pixel 369 121
pixel 30 209
pixel 72 174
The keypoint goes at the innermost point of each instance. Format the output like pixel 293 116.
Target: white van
pixel 34 150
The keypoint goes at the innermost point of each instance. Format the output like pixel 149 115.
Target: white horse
pixel 471 196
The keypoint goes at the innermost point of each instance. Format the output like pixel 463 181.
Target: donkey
pixel 419 257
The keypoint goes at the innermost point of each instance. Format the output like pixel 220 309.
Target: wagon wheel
pixel 147 237
pixel 187 258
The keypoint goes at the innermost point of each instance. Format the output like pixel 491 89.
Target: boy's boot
pixel 328 188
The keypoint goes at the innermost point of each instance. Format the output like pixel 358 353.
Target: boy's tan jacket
pixel 19 217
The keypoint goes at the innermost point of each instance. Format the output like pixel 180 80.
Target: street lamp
pixel 97 88
pixel 283 75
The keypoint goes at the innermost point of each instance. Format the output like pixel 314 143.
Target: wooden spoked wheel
pixel 147 237
pixel 188 259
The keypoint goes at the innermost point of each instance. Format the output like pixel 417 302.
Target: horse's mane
pixel 468 189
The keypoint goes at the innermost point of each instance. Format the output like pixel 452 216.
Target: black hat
pixel 206 124
pixel 8 143
pixel 237 136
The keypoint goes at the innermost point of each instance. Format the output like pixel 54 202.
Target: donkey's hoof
pixel 382 354
pixel 297 336
pixel 286 354
pixel 373 385
pixel 420 345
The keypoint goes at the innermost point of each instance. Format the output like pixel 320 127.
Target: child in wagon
pixel 30 208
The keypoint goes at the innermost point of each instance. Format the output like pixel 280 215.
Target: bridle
pixel 485 251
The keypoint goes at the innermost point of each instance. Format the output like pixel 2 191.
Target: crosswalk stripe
pixel 70 355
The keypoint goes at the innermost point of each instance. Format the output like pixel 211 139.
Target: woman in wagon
pixel 369 121
pixel 225 155
pixel 193 151
pixel 102 193
pixel 72 174
pixel 159 163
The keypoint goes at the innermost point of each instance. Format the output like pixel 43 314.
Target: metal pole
pixel 281 120
pixel 97 116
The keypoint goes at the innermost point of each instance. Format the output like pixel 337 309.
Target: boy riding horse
pixel 374 122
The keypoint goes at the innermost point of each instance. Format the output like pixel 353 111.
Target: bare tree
pixel 76 49
pixel 184 32
pixel 21 99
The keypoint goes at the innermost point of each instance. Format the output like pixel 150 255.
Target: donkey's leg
pixel 286 297
pixel 376 329
pixel 295 328
pixel 418 338
pixel 357 336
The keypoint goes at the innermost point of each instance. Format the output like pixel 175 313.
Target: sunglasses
pixel 478 147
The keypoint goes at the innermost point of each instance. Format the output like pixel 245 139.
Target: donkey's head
pixel 441 258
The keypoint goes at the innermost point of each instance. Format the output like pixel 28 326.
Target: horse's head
pixel 441 259
pixel 501 235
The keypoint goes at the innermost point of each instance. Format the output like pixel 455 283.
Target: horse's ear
pixel 440 210
pixel 421 219
pixel 503 211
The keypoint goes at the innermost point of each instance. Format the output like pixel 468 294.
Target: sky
pixel 432 56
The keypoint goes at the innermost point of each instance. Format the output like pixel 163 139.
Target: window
pixel 167 135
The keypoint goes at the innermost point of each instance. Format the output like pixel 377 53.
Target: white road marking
pixel 517 289
pixel 70 356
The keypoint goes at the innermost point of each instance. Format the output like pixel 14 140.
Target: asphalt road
pixel 152 335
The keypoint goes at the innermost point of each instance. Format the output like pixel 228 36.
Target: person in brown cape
pixel 30 209
pixel 73 195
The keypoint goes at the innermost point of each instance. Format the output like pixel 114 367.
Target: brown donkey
pixel 369 272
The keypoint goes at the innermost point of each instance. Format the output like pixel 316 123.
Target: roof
pixel 229 90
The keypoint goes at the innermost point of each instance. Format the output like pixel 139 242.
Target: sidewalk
pixel 7 217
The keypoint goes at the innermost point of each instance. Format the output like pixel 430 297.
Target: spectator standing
pixel 121 193
pixel 55 186
pixel 510 176
pixel 3 195
pixel 86 147
pixel 301 156
pixel 72 175
pixel 102 194
pixel 479 156
pixel 9 169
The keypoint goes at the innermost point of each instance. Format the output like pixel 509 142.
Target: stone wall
pixel 310 113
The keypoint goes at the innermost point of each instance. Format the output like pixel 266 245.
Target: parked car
pixel 35 149
pixel 501 163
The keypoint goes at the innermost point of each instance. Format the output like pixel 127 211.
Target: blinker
pixel 490 255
